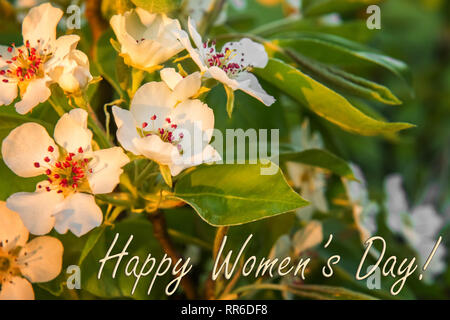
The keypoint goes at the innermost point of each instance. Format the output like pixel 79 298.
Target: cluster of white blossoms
pixel 43 59
pixel 163 124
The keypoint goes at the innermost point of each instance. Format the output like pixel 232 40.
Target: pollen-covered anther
pixel 26 63
pixel 165 132
pixel 67 173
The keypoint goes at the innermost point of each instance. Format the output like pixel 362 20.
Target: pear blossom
pixel 72 73
pixel 28 69
pixel 294 246
pixel 75 173
pixel 146 39
pixel 364 210
pixel 419 225
pixel 231 65
pixel 303 239
pixel 22 262
pixel 308 179
pixel 165 127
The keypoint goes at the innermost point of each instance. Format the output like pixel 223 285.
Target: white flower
pixel 72 73
pixel 27 68
pixel 74 172
pixel 364 210
pixel 174 136
pixel 419 225
pixel 231 65
pixel 308 179
pixel 304 239
pixel 146 39
pixel 22 262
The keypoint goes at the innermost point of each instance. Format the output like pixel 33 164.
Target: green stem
pixel 211 16
pixel 148 169
pixel 59 110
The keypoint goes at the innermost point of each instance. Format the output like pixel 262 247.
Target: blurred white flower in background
pixel 364 210
pixel 419 225
pixel 308 179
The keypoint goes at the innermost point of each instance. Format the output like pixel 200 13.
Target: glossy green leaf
pixel 319 7
pixel 320 158
pixel 290 27
pixel 323 101
pixel 334 50
pixel 236 194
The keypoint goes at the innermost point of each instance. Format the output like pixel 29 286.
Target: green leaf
pixel 230 100
pixel 322 159
pixel 319 7
pixel 323 101
pixel 91 241
pixel 290 27
pixel 334 50
pixel 143 244
pixel 157 6
pixel 226 195
pixel 165 173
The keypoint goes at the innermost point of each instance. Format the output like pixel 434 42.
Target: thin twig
pixel 96 22
pixel 160 232
pixel 210 285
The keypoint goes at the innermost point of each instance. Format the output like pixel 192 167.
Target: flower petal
pixel 26 145
pixel 188 87
pixel 8 92
pixel 248 53
pixel 146 39
pixel 78 213
pixel 71 131
pixel 126 129
pixel 191 114
pixel 106 169
pixel 40 260
pixel 155 149
pixel 37 92
pixel 208 155
pixel 64 45
pixel 183 37
pixel 194 33
pixel 12 231
pixel 40 24
pixel 36 209
pixel 17 288
pixel 397 204
pixel 427 222
pixel 221 76
pixel 250 85
pixel 170 77
pixel 153 98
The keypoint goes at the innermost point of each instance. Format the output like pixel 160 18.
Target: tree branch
pixel 160 232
